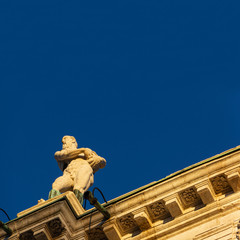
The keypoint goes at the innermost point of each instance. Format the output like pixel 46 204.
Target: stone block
pixel 205 192
pixel 111 230
pixel 173 205
pixel 142 219
pixel 233 178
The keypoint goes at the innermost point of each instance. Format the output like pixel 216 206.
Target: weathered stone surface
pixel 55 227
pixel 41 236
pixel 205 192
pixel 173 205
pixel 127 223
pixel 190 197
pixel 96 233
pixel 69 196
pixel 145 214
pixel 111 230
pixel 143 220
pixel 233 178
pixel 220 184
pixel 158 210
pixel 27 235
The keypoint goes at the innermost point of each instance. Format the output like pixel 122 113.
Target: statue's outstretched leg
pixel 60 185
pixel 83 180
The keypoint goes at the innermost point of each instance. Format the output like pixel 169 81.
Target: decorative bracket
pixel 173 205
pixel 111 231
pixel 233 178
pixel 142 219
pixel 205 192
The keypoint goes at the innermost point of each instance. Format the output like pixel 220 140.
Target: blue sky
pixel 152 86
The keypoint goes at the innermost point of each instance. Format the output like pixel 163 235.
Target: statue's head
pixel 69 142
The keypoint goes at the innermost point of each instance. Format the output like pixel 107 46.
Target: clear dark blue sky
pixel 152 86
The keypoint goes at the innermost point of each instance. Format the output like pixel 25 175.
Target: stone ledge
pixel 68 195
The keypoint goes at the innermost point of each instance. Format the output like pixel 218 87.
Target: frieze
pixel 220 184
pixel 190 197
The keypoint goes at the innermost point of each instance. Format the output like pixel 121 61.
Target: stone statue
pixel 78 166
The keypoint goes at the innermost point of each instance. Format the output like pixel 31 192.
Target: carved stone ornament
pixel 238 231
pixel 127 223
pixel 158 210
pixel 27 235
pixel 190 197
pixel 55 227
pixel 96 233
pixel 220 184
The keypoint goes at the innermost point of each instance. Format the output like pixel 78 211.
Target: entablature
pixel 179 201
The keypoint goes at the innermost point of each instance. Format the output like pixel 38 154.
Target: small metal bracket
pixel 93 201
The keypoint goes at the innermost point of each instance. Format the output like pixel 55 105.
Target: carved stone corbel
pixel 205 192
pixel 173 205
pixel 142 219
pixel 233 178
pixel 111 230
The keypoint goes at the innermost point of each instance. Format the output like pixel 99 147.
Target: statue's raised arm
pixel 68 154
pixel 78 166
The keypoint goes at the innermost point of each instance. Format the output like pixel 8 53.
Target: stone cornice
pixel 197 193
